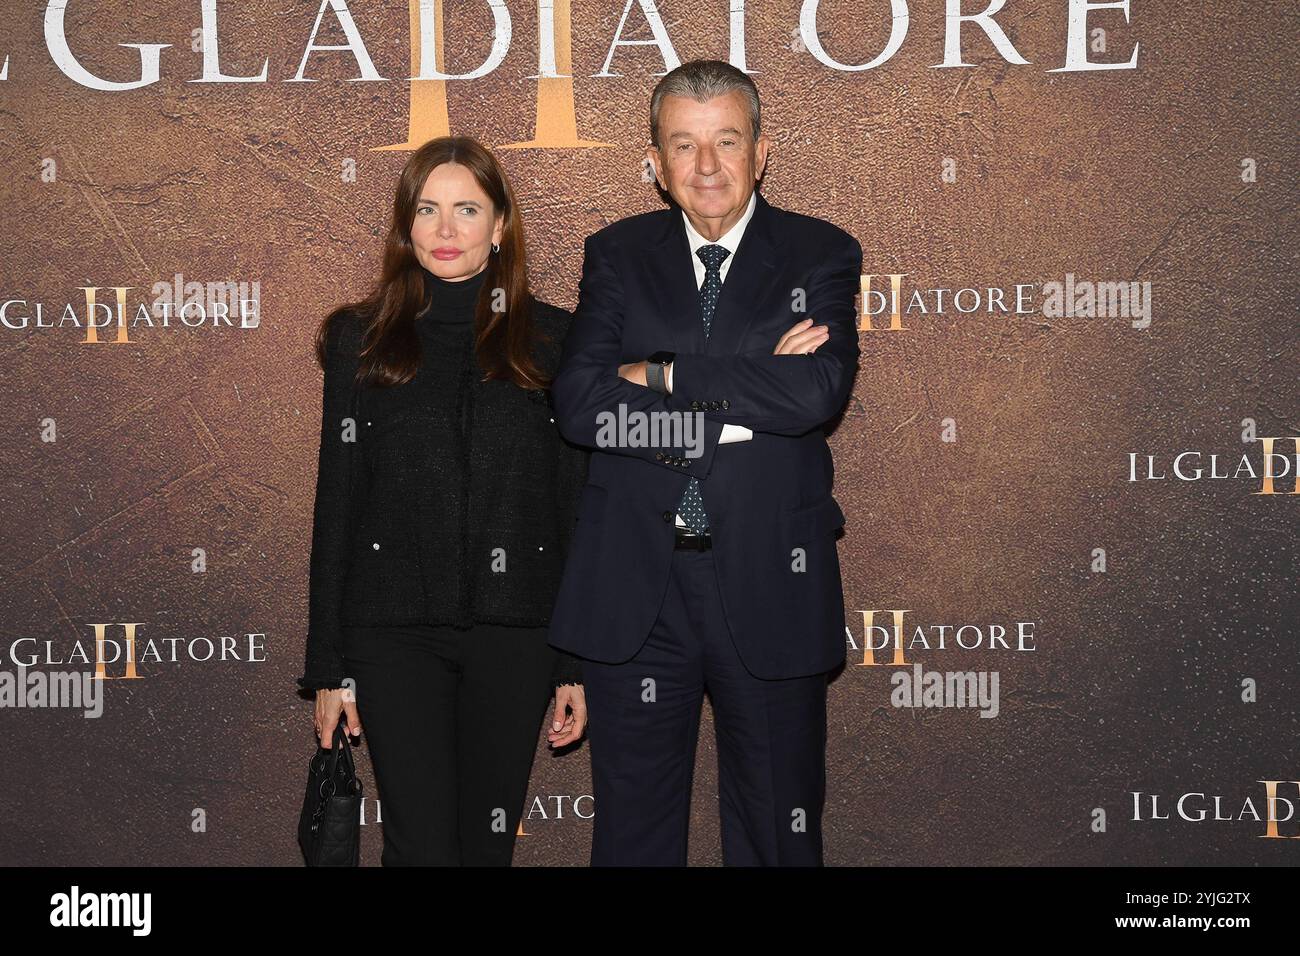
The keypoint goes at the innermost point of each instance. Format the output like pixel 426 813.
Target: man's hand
pixel 802 338
pixel 634 373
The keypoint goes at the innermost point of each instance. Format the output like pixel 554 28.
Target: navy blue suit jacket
pixel 771 513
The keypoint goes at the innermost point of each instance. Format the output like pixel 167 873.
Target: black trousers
pixel 644 722
pixel 452 719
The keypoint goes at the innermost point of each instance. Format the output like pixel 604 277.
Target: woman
pixel 444 502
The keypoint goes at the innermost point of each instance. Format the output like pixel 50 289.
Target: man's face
pixel 708 160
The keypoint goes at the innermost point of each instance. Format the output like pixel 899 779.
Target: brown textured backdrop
pixel 189 439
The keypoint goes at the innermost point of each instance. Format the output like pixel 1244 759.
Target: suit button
pixel 725 404
pixel 668 517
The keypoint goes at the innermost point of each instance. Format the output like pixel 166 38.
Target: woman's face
pixel 455 224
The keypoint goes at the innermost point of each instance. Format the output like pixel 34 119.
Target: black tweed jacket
pixel 419 519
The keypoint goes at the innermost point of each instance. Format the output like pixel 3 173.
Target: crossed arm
pixel 588 383
pixel 803 383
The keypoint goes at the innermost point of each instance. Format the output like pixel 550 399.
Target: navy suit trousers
pixel 644 722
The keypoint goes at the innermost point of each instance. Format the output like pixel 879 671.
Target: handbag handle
pixel 337 752
pixel 341 751
pixel 329 765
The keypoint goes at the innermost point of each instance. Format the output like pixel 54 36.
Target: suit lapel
pixel 679 296
pixel 748 277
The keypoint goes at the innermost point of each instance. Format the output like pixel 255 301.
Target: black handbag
pixel 329 827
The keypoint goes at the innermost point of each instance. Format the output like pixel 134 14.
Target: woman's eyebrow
pixel 460 202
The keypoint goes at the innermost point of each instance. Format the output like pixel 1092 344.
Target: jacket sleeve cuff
pixel 568 670
pixel 317 683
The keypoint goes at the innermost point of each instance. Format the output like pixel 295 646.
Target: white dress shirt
pixel 730 240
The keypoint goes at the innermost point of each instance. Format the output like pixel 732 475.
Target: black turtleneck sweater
pixel 455 503
pixel 446 332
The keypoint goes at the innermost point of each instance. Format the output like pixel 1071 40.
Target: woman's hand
pixel 565 729
pixel 329 704
pixel 802 337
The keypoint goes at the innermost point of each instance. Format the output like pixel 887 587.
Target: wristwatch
pixel 654 370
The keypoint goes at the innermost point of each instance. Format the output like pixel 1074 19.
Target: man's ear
pixel 760 155
pixel 652 154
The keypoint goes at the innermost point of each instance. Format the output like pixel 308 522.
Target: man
pixel 708 564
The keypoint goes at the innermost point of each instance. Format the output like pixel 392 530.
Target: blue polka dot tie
pixel 691 507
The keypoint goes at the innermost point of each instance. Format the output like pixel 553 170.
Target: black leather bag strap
pixel 332 761
pixel 340 759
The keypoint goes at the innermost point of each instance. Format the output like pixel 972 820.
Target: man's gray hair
pixel 702 80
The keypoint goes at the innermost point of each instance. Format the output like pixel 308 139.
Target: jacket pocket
pixel 385 581
pixel 813 521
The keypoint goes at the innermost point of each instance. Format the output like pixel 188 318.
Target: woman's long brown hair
pixel 390 348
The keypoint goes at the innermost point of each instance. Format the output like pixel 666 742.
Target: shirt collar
pixel 731 238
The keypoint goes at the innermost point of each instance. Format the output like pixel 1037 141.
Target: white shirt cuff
pixel 734 433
